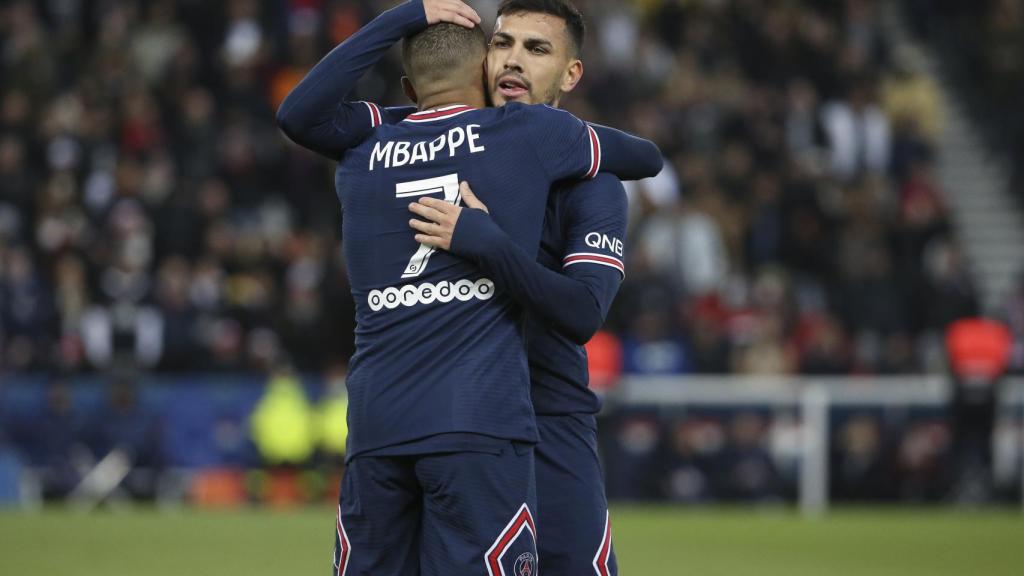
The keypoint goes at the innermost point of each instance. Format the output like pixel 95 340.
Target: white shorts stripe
pixel 604 550
pixel 345 547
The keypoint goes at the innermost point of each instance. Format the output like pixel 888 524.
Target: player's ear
pixel 410 91
pixel 572 76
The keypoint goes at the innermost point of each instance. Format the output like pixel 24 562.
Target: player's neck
pixel 474 98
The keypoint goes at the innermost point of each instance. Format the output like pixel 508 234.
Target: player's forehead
pixel 533 26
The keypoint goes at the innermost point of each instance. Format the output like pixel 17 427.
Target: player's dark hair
pixel 436 52
pixel 558 8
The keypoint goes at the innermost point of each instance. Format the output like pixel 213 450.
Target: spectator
pixel 1013 313
pixel 858 133
pixel 858 463
pixel 283 422
pixel 979 354
pixel 750 472
pixel 25 312
pixel 51 441
pixel 127 426
pixel 911 98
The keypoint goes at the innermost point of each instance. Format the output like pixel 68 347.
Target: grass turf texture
pixel 650 541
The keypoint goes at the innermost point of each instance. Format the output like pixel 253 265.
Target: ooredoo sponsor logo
pixel 428 293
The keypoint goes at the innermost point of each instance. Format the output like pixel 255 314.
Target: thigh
pixel 478 513
pixel 378 521
pixel 572 510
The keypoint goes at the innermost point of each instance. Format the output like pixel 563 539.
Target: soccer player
pixel 440 462
pixel 534 57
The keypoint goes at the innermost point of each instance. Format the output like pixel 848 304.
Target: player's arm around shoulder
pixel 569 148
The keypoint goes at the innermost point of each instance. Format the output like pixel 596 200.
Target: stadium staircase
pixel 976 183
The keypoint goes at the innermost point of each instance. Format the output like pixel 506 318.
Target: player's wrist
pixel 474 235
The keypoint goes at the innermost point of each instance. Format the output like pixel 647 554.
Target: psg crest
pixel 526 565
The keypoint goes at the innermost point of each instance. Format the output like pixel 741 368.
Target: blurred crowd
pixel 152 215
pixel 982 45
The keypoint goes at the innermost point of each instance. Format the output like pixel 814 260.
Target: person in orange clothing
pixel 979 354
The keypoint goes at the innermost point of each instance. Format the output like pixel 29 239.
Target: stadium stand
pixel 151 215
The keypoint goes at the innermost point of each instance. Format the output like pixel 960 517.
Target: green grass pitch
pixel 650 541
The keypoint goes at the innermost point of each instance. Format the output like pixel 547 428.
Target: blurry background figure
pixel 633 444
pixel 860 464
pixel 604 360
pixel 979 353
pixel 282 422
pixel 52 438
pixel 1013 315
pixel 127 426
pixel 696 443
pixel 331 421
pixel 284 429
pixel 748 472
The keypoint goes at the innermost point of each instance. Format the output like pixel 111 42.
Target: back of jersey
pixel 439 348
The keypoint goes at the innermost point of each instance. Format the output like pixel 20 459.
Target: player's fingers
pixel 426 227
pixel 432 241
pixel 467 11
pixel 426 212
pixel 462 21
pixel 455 15
pixel 470 199
pixel 439 205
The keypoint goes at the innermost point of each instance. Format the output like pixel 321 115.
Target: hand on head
pixel 453 11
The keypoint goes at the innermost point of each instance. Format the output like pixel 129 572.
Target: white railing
pixel 813 397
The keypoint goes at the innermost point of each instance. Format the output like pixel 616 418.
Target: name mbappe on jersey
pixel 395 154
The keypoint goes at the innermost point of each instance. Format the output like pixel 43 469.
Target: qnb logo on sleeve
pixel 604 242
pixel 428 293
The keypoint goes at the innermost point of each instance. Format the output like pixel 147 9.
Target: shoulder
pixel 539 111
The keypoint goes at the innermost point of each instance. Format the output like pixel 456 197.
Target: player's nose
pixel 512 60
pixel 512 64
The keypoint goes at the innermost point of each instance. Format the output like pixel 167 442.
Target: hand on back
pixel 441 218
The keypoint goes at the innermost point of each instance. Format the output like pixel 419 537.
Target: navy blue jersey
pixel 582 237
pixel 439 349
pixel 584 229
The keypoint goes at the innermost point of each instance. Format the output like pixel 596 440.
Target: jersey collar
pixel 439 113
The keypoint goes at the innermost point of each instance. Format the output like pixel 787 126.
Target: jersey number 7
pixel 449 185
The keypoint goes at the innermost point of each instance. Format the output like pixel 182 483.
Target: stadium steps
pixel 975 182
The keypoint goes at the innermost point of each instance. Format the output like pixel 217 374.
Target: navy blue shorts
pixel 572 510
pixel 445 514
